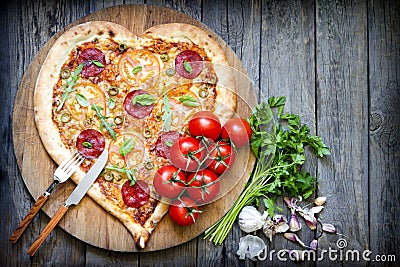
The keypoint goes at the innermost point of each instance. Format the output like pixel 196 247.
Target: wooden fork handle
pixel 47 230
pixel 28 218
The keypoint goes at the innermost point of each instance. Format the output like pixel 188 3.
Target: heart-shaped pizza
pixel 102 87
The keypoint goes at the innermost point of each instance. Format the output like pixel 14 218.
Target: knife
pixel 73 199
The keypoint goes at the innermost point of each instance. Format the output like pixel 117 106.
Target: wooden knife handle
pixel 47 230
pixel 28 218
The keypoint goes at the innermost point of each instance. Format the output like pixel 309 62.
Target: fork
pixel 62 173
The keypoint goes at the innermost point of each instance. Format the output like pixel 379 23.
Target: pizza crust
pixel 181 32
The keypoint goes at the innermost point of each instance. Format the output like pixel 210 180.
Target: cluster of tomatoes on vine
pixel 197 161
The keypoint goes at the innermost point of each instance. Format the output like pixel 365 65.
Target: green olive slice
pixel 122 47
pixel 203 92
pixel 113 91
pixel 65 73
pixel 170 71
pixel 147 133
pixel 164 57
pixel 108 176
pixel 65 117
pixel 149 165
pixel 118 120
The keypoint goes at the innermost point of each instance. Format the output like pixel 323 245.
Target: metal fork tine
pixel 72 161
pixel 72 168
pixel 67 160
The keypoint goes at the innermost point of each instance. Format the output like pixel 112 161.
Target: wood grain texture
pixel 341 61
pixel 364 156
pixel 384 127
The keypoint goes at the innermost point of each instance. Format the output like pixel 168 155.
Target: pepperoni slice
pixel 193 67
pixel 86 57
pixel 136 195
pixel 90 143
pixel 138 111
pixel 163 143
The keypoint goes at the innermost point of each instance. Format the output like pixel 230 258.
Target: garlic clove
pixel 314 244
pixel 294 224
pixel 319 201
pixel 329 228
pixel 316 209
pixel 294 238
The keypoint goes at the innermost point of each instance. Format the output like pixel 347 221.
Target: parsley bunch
pixel 278 142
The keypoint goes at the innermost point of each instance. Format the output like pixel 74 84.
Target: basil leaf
pixel 87 144
pixel 127 147
pixel 144 100
pixel 169 143
pixel 189 101
pixel 111 103
pixel 82 100
pixel 137 69
pixel 98 63
pixel 187 66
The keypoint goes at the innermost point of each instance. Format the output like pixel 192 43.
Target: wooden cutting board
pixel 88 221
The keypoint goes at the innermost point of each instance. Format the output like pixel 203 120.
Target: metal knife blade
pixel 87 180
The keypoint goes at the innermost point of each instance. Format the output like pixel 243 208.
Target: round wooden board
pixel 88 221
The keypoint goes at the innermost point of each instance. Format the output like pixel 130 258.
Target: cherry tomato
pixel 237 130
pixel 203 186
pixel 205 123
pixel 184 211
pixel 221 157
pixel 187 153
pixel 169 181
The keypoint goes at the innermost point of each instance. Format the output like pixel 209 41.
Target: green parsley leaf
pixel 189 101
pixel 111 103
pixel 98 63
pixel 137 69
pixel 87 144
pixel 82 100
pixel 144 100
pixel 187 66
pixel 127 147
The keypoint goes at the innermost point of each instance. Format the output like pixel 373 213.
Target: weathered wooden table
pixel 338 64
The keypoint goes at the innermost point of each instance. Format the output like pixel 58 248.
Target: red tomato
pixel 187 153
pixel 237 130
pixel 169 181
pixel 184 211
pixel 203 186
pixel 221 157
pixel 205 123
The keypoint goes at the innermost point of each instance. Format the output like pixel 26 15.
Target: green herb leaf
pixel 98 63
pixel 144 100
pixel 187 66
pixel 189 101
pixel 69 87
pixel 130 174
pixel 167 113
pixel 111 103
pixel 279 146
pixel 127 147
pixel 137 69
pixel 169 143
pixel 87 144
pixel 104 122
pixel 82 100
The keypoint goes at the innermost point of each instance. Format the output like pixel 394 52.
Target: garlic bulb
pixel 250 219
